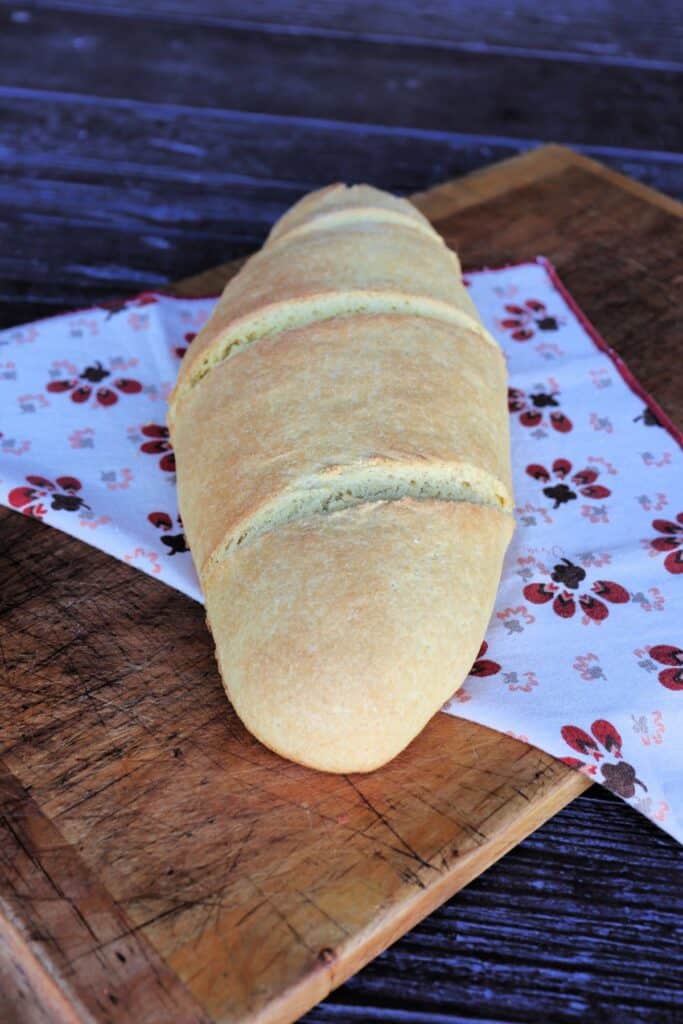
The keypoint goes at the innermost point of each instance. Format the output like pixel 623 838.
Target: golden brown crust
pixel 359 257
pixel 338 198
pixel 340 636
pixel 343 393
pixel 345 217
pixel 341 436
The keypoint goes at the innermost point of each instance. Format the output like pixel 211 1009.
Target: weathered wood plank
pixel 189 151
pixel 53 906
pixel 581 922
pixel 229 151
pixel 350 80
pixel 149 194
pixel 606 30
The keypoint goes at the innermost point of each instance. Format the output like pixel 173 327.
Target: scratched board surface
pixel 158 864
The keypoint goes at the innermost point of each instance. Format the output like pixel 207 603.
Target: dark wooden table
pixel 141 142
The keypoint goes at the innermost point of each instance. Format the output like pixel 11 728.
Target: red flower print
pixel 531 409
pixel 588 666
pixel 666 654
pixel 650 460
pixel 523 321
pixel 483 667
pixel 565 580
pixel 10 446
pixel 176 544
pixel 561 493
pixel 81 388
pixel 620 777
pixel 670 541
pixel 649 728
pixel 516 619
pixel 180 350
pixel 159 445
pixel 62 495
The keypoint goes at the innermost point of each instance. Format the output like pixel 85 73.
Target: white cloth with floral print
pixel 583 656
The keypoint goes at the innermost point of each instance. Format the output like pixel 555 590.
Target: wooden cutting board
pixel 156 863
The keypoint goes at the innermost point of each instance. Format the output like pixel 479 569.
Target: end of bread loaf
pixel 356 626
pixel 339 199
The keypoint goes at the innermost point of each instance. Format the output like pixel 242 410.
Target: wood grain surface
pixel 301 70
pixel 153 854
pixel 163 138
pixel 603 31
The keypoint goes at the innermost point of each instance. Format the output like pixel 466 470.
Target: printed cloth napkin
pixel 583 656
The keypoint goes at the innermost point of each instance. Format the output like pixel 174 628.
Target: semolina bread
pixel 343 460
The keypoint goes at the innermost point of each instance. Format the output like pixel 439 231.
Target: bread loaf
pixel 341 439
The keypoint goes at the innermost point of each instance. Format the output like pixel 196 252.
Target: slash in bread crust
pixel 341 435
pixel 326 274
pixel 360 402
pixel 341 198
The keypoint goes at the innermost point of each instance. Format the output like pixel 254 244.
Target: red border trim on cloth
pixel 102 307
pixel 593 333
pixel 600 343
